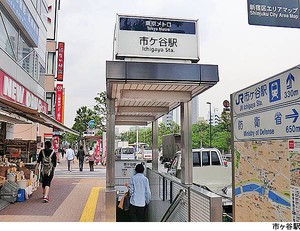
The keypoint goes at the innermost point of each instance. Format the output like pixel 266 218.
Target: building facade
pixel 28 34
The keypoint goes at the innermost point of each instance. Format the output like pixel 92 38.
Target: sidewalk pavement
pixel 71 200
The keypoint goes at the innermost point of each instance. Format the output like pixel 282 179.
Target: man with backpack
pixel 47 159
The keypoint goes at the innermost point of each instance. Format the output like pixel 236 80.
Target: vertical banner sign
pixel 60 61
pixel 55 143
pixel 97 151
pixel 58 103
pixel 63 106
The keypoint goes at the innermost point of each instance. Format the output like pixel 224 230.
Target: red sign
pixel 60 61
pixel 13 91
pixel 291 144
pixel 55 143
pixel 59 103
pixel 97 151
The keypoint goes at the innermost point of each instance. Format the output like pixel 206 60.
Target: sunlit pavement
pixel 69 194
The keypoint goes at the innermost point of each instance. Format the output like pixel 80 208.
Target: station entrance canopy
pixel 18 114
pixel 145 91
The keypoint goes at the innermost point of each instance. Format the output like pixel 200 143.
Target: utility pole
pixel 209 123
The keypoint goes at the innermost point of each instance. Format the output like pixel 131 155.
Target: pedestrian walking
pixel 70 156
pixel 140 194
pixel 47 160
pixel 80 157
pixel 91 159
pixel 63 152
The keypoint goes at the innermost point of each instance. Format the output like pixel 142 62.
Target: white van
pixel 125 153
pixel 209 169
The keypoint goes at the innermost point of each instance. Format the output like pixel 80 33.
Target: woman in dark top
pixel 46 178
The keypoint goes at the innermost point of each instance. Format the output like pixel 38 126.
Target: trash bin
pixel 21 195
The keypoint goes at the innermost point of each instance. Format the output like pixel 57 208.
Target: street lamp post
pixel 209 123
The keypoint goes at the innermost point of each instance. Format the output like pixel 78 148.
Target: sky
pixel 245 54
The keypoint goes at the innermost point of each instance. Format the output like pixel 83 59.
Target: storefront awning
pixel 15 113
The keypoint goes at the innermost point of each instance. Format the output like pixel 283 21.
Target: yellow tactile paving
pixel 88 213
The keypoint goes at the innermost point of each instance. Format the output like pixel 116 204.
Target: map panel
pixel 262 181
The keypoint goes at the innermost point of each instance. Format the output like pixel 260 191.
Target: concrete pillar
pixel 110 144
pixel 186 143
pixel 155 145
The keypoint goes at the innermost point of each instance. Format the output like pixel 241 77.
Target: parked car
pixel 148 155
pixel 209 169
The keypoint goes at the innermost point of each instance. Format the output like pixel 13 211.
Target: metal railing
pixel 173 205
pixel 196 203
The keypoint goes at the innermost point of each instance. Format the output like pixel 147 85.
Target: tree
pixel 200 135
pixel 222 132
pixel 101 111
pixel 83 116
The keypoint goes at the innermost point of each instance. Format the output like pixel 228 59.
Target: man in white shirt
pixel 70 155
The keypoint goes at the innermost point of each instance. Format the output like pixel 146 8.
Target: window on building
pixel 51 63
pixel 42 73
pixel 13 42
pixel 5 40
pixel 50 102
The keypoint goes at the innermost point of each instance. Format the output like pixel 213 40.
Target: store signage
pixel 279 13
pixel 88 133
pixel 60 61
pixel 13 91
pixel 22 12
pixel 156 38
pixel 59 103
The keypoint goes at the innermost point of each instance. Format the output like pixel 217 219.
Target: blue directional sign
pixel 279 123
pixel 91 124
pixel 280 89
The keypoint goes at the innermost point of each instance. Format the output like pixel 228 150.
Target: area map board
pixel 278 13
pixel 266 140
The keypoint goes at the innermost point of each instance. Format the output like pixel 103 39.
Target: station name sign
pixel 278 13
pixel 151 37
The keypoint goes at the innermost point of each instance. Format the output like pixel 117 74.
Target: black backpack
pixel 47 165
